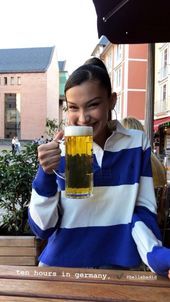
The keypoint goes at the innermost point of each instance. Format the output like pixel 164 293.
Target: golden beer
pixel 78 156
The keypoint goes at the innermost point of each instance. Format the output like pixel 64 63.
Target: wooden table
pixel 40 284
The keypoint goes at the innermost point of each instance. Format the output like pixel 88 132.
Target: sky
pixel 70 25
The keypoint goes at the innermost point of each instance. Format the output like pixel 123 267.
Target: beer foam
pixel 78 131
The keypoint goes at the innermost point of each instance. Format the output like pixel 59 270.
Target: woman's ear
pixel 113 100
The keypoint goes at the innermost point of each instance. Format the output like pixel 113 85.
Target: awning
pixel 133 21
pixel 160 121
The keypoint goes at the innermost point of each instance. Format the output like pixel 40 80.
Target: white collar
pixel 116 127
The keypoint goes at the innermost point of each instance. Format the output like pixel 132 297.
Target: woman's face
pixel 89 105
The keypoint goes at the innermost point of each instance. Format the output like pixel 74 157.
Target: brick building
pixel 29 91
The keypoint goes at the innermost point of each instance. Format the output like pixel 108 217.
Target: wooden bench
pixel 19 250
pixel 40 284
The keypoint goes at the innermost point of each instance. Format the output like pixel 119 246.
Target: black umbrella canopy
pixel 133 21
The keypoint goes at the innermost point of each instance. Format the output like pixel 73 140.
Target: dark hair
pixel 96 61
pixel 89 72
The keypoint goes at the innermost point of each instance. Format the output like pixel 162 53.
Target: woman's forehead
pixel 85 92
pixel 86 87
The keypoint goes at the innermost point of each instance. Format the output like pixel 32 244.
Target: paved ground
pixel 7 146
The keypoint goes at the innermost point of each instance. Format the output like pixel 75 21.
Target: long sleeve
pixel 145 230
pixel 43 211
pixel 147 237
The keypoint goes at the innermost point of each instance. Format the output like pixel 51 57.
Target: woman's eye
pixel 72 108
pixel 94 105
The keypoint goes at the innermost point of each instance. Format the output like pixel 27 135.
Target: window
pixel 12 80
pixel 117 79
pixel 118 105
pixel 164 93
pixel 5 81
pixel 164 64
pixel 12 116
pixel 18 80
pixel 163 98
pixel 165 57
pixel 118 54
pixel 109 62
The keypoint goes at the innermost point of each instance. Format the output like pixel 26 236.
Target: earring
pixel 115 113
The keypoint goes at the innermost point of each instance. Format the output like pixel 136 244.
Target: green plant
pixel 52 127
pixel 16 175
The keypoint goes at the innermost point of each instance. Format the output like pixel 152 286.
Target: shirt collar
pixel 116 127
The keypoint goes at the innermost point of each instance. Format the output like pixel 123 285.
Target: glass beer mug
pixel 79 157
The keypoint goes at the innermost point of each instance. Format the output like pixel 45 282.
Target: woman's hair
pixel 131 122
pixel 89 72
pixel 96 61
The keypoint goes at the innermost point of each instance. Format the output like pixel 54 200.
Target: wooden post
pixel 149 107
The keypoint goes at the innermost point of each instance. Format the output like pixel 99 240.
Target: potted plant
pixel 16 175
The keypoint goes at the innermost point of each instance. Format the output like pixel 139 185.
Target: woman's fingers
pixel 49 156
pixel 47 153
pixel 58 136
pixel 50 166
pixel 169 274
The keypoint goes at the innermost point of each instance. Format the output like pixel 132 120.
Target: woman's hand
pixel 49 154
pixel 169 274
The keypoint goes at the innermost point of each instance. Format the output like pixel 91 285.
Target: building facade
pixel 63 76
pixel 29 91
pixel 162 102
pixel 127 67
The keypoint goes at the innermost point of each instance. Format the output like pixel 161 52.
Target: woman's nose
pixel 83 117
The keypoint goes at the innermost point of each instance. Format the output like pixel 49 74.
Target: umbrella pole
pixel 149 107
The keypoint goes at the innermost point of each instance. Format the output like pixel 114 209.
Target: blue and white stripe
pixel 115 226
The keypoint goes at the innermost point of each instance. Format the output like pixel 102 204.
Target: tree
pixel 52 126
pixel 16 175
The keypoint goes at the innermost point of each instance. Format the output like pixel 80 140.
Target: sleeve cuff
pixel 159 260
pixel 45 184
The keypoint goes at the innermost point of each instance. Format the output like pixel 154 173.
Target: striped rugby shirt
pixel 117 226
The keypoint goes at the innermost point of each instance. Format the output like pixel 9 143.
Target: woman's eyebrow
pixel 94 99
pixel 71 103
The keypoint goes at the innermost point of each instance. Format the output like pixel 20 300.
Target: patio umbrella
pixel 136 21
pixel 133 21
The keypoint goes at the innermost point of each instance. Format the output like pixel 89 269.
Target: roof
pixel 103 41
pixel 18 60
pixel 61 65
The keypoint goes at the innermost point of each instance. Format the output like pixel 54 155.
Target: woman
pixel 117 226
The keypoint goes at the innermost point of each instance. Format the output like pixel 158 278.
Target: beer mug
pixel 79 157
